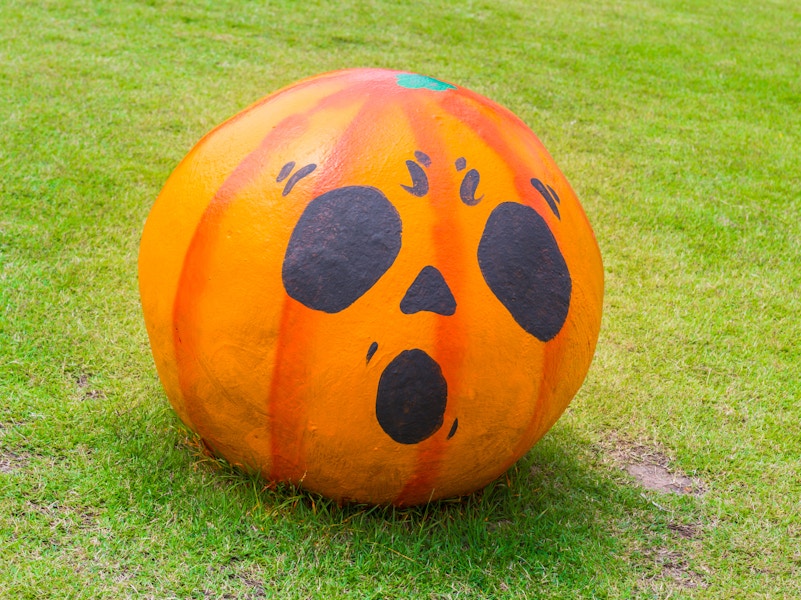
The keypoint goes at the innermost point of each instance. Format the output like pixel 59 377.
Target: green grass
pixel 679 125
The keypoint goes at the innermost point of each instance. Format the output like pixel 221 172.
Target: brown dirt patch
pixel 9 463
pixel 688 531
pixel 660 479
pixel 83 382
pixel 651 467
pixel 674 574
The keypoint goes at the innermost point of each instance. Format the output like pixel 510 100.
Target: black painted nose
pixel 429 292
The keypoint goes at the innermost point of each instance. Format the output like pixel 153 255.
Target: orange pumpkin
pixel 373 284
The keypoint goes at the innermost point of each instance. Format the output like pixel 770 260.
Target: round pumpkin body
pixel 373 284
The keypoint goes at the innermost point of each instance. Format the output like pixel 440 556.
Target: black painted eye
pixel 343 243
pixel 523 266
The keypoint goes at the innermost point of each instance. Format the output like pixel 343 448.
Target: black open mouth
pixel 411 399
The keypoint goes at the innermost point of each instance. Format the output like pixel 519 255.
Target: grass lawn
pixel 678 124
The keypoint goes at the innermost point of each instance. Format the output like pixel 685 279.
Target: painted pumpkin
pixel 373 284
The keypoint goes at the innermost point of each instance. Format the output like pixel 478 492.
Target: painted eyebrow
pixel 467 190
pixel 419 187
pixel 549 194
pixel 299 174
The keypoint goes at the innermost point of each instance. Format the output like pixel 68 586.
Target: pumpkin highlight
pixel 373 284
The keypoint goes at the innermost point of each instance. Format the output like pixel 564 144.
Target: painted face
pixel 349 237
pixel 374 284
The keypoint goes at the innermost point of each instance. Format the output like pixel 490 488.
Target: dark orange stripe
pixel 554 354
pixel 286 403
pixel 470 109
pixel 294 87
pixel 450 337
pixel 194 271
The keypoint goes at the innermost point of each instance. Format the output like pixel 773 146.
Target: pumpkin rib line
pixel 431 453
pixel 327 178
pixel 494 136
pixel 199 249
pixel 497 139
